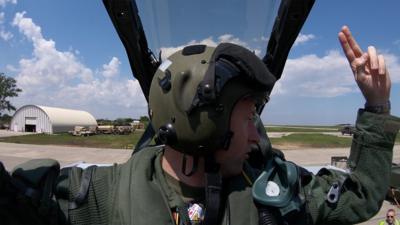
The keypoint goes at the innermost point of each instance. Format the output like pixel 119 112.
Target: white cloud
pixel 48 66
pixel 27 27
pixel 5 35
pixel 58 78
pixel 231 39
pixel 167 51
pixel 105 93
pixel 310 75
pixel 11 68
pixel 112 68
pixel 303 38
pixel 326 76
pixel 393 65
pixel 261 39
pixel 3 3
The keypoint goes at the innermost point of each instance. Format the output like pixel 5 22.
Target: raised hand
pixel 369 69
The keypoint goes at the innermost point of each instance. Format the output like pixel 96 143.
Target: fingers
pixel 348 51
pixel 382 65
pixel 373 59
pixel 352 42
pixel 369 69
pixel 359 66
pixel 383 77
pixel 383 71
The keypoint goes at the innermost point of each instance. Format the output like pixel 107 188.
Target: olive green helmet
pixel 194 91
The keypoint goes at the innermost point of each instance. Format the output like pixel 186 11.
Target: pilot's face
pixel 244 135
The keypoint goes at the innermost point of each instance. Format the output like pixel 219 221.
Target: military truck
pixel 105 129
pixel 83 131
pixel 123 129
pixel 393 194
pixel 347 129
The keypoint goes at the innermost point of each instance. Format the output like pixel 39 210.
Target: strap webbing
pixel 84 188
pixel 145 139
pixel 213 191
pixel 213 198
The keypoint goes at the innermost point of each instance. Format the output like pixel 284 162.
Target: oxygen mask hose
pixel 265 217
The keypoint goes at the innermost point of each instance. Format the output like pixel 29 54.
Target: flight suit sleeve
pixel 85 195
pixel 363 189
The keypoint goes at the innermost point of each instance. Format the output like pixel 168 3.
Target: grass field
pixel 306 140
pixel 301 129
pixel 96 141
pixel 307 126
pixel 312 141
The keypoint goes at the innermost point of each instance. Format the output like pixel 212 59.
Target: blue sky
pixel 66 53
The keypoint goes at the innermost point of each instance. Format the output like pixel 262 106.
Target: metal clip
pixel 334 193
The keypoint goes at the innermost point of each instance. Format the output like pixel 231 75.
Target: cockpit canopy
pixel 171 25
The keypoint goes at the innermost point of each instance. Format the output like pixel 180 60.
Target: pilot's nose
pixel 254 137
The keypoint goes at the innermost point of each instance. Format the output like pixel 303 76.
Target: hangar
pixel 44 119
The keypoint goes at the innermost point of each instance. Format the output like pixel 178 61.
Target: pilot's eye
pixel 252 116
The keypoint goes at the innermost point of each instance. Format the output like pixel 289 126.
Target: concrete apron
pixel 14 154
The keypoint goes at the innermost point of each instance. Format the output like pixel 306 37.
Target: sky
pixel 66 53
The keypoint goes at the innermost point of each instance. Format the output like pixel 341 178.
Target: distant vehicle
pixel 105 129
pixel 393 194
pixel 124 129
pixel 4 126
pixel 83 131
pixel 348 129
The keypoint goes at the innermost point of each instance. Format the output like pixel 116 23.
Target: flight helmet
pixel 194 91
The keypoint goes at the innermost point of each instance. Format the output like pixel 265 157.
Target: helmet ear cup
pixel 167 134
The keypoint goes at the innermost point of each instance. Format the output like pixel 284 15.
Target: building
pixel 43 119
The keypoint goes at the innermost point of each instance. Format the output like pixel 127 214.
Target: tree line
pixel 8 89
pixel 122 121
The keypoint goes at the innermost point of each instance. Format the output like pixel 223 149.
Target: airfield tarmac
pixel 14 154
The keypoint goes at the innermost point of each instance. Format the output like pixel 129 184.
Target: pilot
pixel 203 104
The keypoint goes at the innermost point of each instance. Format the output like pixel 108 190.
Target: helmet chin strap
pixel 213 181
pixel 213 186
pixel 226 141
pixel 194 166
pixel 213 190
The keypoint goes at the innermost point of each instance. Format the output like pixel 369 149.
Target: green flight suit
pixel 365 188
pixel 136 192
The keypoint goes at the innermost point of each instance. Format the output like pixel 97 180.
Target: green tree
pixel 5 118
pixel 123 121
pixel 144 119
pixel 8 89
pixel 101 122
